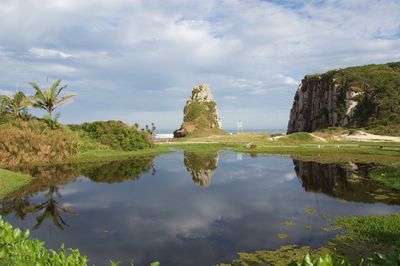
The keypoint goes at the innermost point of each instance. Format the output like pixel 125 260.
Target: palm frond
pixel 64 100
pixel 55 85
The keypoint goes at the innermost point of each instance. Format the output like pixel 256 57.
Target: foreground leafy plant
pixel 16 248
pixel 329 259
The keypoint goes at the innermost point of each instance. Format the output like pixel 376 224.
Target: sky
pixel 138 60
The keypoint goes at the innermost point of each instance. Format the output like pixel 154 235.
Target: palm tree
pixel 15 104
pixel 49 99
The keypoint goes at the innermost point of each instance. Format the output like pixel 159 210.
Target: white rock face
pixel 202 93
pixel 317 105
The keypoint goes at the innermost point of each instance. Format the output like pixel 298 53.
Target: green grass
pixel 384 229
pixel 113 155
pixel 11 181
pixel 301 136
pixel 388 176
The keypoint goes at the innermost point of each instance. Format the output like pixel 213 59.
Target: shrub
pixel 30 141
pixel 116 135
pixel 16 248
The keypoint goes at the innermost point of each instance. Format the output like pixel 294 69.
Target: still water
pixel 191 208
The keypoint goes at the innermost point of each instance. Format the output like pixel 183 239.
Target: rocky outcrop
pixel 320 103
pixel 200 114
pixel 352 98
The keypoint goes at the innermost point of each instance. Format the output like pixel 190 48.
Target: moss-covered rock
pixel 200 114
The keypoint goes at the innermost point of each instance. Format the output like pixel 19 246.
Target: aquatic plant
pixel 389 176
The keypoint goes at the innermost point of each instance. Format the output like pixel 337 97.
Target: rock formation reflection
pixel 201 166
pixel 349 182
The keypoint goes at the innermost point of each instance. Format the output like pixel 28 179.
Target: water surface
pixel 191 208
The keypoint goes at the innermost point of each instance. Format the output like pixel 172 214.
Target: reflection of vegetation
pixel 389 176
pixel 119 171
pixel 351 182
pixel 201 166
pixel 52 210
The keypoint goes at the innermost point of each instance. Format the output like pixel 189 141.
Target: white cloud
pixel 42 52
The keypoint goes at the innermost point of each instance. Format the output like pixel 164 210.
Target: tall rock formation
pixel 366 96
pixel 200 114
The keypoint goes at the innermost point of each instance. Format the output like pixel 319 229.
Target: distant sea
pixel 267 130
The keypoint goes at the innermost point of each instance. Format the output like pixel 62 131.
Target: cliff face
pixel 200 114
pixel 367 96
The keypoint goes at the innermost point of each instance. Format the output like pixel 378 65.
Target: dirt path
pixel 364 136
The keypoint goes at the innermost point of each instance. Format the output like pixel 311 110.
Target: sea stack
pixel 200 114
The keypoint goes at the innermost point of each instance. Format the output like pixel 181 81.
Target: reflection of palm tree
pixel 201 166
pixel 52 210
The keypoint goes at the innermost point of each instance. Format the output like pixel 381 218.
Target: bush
pixel 115 134
pixel 32 141
pixel 16 248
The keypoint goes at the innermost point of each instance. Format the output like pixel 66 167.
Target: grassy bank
pixel 298 146
pixel 11 181
pixel 108 155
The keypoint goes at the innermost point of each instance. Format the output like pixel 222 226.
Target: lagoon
pixel 187 208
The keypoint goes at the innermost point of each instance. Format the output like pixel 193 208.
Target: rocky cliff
pixel 366 96
pixel 200 114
